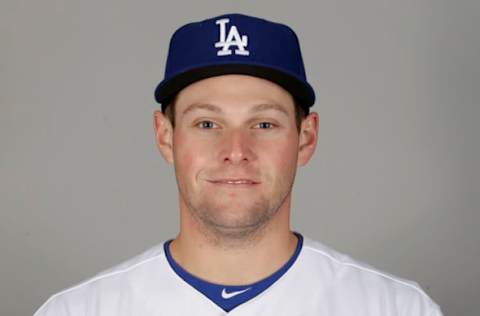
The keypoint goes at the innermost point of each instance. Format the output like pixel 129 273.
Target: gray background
pixel 394 181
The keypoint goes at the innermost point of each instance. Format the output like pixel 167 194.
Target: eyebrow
pixel 202 106
pixel 257 108
pixel 269 106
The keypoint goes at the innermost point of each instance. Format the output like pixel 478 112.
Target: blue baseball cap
pixel 235 44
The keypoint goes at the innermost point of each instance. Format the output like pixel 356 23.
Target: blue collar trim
pixel 228 297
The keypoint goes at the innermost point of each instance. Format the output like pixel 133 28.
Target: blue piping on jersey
pixel 228 297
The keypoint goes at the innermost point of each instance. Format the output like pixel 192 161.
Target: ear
pixel 308 138
pixel 163 135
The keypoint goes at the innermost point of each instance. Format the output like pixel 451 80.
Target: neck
pixel 234 262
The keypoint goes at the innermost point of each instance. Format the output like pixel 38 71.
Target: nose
pixel 237 147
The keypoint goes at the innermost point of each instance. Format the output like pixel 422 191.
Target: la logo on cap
pixel 233 38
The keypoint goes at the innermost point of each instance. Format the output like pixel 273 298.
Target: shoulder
pixel 108 284
pixel 360 281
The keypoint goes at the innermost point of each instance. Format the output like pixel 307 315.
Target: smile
pixel 234 182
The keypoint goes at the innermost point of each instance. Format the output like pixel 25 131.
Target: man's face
pixel 235 149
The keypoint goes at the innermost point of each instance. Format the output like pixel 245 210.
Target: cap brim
pixel 300 89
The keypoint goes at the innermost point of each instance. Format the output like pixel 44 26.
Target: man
pixel 235 124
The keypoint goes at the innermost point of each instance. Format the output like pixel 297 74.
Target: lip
pixel 234 181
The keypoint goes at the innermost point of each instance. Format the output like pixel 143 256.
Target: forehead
pixel 235 93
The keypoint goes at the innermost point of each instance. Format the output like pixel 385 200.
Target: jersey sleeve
pixel 435 311
pixel 54 306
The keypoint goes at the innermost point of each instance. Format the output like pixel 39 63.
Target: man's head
pixel 235 128
pixel 235 149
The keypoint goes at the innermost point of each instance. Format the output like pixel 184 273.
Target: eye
pixel 205 124
pixel 265 125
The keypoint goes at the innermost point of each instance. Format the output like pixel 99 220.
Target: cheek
pixel 280 157
pixel 189 156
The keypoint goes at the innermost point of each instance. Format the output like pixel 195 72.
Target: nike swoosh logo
pixel 226 295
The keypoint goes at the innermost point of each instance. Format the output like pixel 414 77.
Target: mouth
pixel 234 182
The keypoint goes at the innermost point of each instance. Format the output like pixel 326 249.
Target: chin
pixel 239 221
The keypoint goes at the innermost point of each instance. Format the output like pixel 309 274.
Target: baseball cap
pixel 235 44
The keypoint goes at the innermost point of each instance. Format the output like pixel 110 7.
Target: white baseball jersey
pixel 320 282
